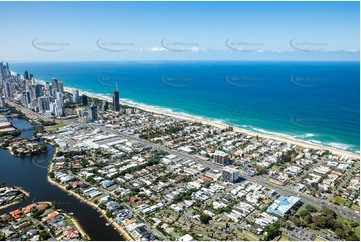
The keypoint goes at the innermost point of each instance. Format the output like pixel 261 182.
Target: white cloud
pixel 353 51
pixel 91 51
pixel 157 49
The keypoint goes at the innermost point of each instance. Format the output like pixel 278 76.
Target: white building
pixel 230 174
pixel 220 157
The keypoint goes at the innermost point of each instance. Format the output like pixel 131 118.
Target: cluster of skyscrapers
pixel 49 98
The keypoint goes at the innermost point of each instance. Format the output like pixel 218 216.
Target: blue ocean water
pixel 318 102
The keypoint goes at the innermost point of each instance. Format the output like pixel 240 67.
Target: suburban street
pixel 279 189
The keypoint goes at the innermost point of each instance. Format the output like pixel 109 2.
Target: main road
pixel 343 211
pixel 34 115
pixel 279 189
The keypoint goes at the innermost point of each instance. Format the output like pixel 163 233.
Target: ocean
pixel 317 102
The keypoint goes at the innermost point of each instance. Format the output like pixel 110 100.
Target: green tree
pixel 340 233
pixel 44 235
pixel 328 212
pixel 272 231
pixel 311 208
pixel 59 154
pixel 296 220
pixel 307 219
pixel 2 237
pixel 352 237
pixel 303 213
pixel 347 229
pixel 109 214
pixel 320 221
pixel 205 218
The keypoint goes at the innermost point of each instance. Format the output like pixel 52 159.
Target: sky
pixel 93 31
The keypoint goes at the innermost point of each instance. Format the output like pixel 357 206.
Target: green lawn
pixel 97 198
pixel 355 207
pixel 319 239
pixel 175 235
pixel 342 220
pixel 276 168
pixel 250 236
pixel 56 126
pixel 345 221
pixel 69 222
pixel 286 238
pixel 338 200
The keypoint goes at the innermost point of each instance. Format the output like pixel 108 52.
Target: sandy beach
pixel 237 129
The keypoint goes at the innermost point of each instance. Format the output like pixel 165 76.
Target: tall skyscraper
pixel 5 71
pixel 116 105
pixel 93 110
pixel 8 90
pixel 59 101
pixel 25 98
pixel 57 107
pixel 26 75
pixel 61 87
pixel 84 99
pixel 2 70
pixel 38 90
pixel 105 105
pixel 76 98
pixel 55 84
pixel 44 104
pixel 60 97
pixel 54 109
pixel 50 91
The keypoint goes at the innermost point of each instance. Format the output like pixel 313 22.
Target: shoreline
pixel 124 234
pixel 27 194
pixel 78 226
pixel 204 120
pixel 301 143
pixel 23 191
